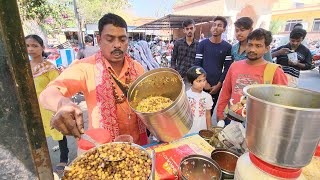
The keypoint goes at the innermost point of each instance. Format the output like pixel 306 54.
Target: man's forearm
pixel 51 97
pixel 275 54
pixel 301 65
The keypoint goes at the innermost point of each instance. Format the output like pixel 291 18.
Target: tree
pixel 275 26
pixel 33 9
pixel 60 17
pixel 92 10
pixel 51 16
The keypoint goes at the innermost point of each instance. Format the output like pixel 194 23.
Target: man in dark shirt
pixel 214 55
pixel 292 67
pixel 184 50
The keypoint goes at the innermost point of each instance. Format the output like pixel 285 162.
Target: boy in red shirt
pixel 249 71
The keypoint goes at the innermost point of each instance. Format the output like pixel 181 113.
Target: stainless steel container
pixel 151 155
pixel 199 167
pixel 227 161
pixel 173 122
pixel 206 134
pixel 282 124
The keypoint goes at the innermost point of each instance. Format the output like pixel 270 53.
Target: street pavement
pixel 308 80
pixel 72 144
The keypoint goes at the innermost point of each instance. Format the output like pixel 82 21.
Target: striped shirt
pixel 215 59
pixel 304 56
pixel 183 55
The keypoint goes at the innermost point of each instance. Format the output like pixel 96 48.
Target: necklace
pixel 119 99
pixel 129 113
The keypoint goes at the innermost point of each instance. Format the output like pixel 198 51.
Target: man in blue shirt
pixel 243 26
pixel 214 56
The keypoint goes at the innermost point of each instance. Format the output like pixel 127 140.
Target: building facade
pixel 308 14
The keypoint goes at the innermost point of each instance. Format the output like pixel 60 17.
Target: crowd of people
pixel 213 70
pixel 229 68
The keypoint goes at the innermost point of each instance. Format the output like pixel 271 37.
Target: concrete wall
pixel 307 19
pixel 204 8
pixel 204 28
pixel 259 10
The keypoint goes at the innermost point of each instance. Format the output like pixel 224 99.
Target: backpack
pixel 269 72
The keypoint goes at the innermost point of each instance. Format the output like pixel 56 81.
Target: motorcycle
pixel 316 58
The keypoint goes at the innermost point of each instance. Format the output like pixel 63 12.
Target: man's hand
pixel 284 51
pixel 207 87
pixel 215 89
pixel 68 119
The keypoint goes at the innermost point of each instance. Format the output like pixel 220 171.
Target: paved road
pixel 308 80
pixel 55 155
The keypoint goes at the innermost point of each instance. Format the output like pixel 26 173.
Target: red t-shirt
pixel 240 75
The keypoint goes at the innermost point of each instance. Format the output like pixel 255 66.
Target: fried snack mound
pixel 153 104
pixel 95 165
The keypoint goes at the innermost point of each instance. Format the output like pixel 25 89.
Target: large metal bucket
pixel 173 122
pixel 283 124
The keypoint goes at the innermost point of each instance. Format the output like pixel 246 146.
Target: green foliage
pixel 92 10
pixel 33 9
pixel 275 26
pixel 51 15
pixel 61 16
pixel 55 15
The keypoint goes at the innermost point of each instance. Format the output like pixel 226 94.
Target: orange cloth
pixel 82 77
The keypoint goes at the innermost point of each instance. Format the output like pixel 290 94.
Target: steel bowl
pixel 227 161
pixel 194 167
pixel 206 134
pixel 173 122
pixel 282 124
pixel 151 156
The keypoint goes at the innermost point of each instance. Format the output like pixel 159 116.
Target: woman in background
pixel 43 73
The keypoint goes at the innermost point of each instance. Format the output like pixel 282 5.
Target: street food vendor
pixel 104 79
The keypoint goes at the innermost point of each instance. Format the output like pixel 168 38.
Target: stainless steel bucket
pixel 282 124
pixel 196 166
pixel 172 122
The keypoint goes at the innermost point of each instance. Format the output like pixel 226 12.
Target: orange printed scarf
pixel 106 100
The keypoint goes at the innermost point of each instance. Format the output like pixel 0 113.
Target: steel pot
pixel 227 161
pixel 282 124
pixel 206 134
pixel 173 122
pixel 151 155
pixel 199 167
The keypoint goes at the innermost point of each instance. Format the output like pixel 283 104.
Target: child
pixel 200 101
